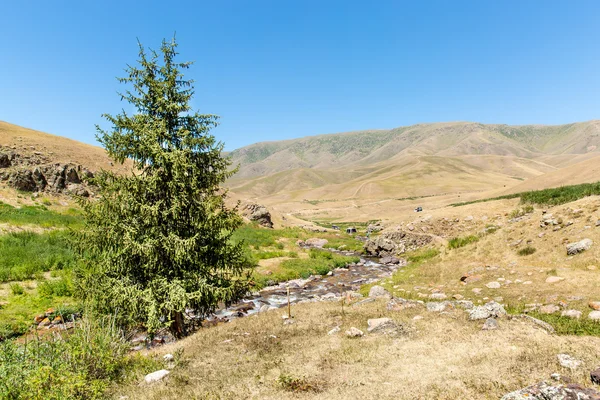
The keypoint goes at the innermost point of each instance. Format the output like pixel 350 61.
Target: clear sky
pixel 283 69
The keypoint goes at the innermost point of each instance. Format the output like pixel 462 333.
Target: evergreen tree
pixel 158 240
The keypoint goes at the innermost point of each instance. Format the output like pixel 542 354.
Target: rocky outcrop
pixel 55 178
pixel 258 213
pixel 392 243
pixel 545 391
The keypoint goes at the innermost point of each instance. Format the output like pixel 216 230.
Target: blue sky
pixel 283 69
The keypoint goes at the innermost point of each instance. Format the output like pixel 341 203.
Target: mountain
pixel 418 160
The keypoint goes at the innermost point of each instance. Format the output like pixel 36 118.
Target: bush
pixel 81 366
pixel 526 251
pixel 519 212
pixel 458 242
pixel 58 287
pixel 16 289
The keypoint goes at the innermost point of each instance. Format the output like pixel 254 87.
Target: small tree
pixel 158 240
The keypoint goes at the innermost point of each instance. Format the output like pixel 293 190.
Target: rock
pixel 488 310
pixel 464 304
pixel 471 278
pixel 156 376
pixel 549 309
pixel 45 322
pixel 575 314
pixel 595 376
pixel 4 160
pixel 258 213
pixel 39 318
pixel 438 296
pixel 594 315
pixel 544 391
pixel 395 242
pixel 493 285
pixel 567 361
pixel 378 291
pixel 490 324
pixel 554 279
pixel 334 331
pixel 399 304
pixel 594 305
pixel 542 324
pixel 382 325
pixel 168 357
pixel 458 296
pixel 22 180
pixel 390 260
pixel 316 242
pixel 354 332
pixel 578 247
pixel 435 306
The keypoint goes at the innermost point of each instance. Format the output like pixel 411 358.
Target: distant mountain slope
pixel 417 160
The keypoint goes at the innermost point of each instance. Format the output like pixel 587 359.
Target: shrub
pixel 58 287
pixel 16 289
pixel 519 212
pixel 526 251
pixel 81 366
pixel 458 242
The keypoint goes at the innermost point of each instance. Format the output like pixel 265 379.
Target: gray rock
pixel 438 296
pixel 575 314
pixel 594 315
pixel 493 285
pixel 567 361
pixel 156 376
pixel 258 213
pixel 545 391
pixel 354 332
pixel 491 309
pixel 490 325
pixel 386 326
pixel 378 291
pixel 578 247
pixel 334 331
pixel 549 309
pixel 4 160
pixel 435 306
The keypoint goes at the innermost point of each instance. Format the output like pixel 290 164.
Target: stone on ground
pixel 156 376
pixel 490 324
pixel 594 315
pixel 354 332
pixel 491 309
pixel 544 391
pixel 568 361
pixel 493 285
pixel 378 291
pixel 554 279
pixel 578 247
pixel 575 314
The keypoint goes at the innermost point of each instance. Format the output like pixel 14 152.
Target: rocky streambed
pixel 339 283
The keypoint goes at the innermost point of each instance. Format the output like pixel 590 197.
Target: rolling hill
pixel 418 160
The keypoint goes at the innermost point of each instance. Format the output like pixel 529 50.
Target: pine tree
pixel 158 240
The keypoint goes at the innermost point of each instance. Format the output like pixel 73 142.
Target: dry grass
pixel 444 357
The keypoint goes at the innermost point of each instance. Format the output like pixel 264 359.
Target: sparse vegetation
pixel 519 212
pixel 526 251
pixel 459 242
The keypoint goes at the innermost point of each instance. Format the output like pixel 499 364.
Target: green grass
pixel 422 255
pixel 24 254
pixel 319 263
pixel 458 242
pixel 40 216
pixel 519 212
pixel 257 237
pixel 548 197
pixel 562 325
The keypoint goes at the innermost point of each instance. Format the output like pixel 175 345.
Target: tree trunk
pixel 178 326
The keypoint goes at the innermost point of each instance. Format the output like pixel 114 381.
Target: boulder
pixel 488 310
pixel 316 242
pixel 389 260
pixel 578 247
pixel 395 242
pixel 595 376
pixel 258 213
pixel 383 325
pixel 594 315
pixel 545 391
pixel 568 361
pixel 575 314
pixel 378 291
pixel 490 324
pixel 493 285
pixel 156 376
pixel 22 180
pixel 354 332
pixel 4 160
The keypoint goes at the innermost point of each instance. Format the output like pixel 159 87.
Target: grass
pixel 444 357
pixel 459 242
pixel 24 254
pixel 562 325
pixel 548 197
pixel 320 262
pixel 519 212
pixel 422 255
pixel 40 216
